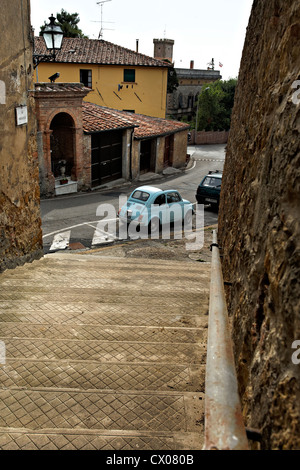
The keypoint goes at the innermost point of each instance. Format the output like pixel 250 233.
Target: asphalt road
pixel 72 219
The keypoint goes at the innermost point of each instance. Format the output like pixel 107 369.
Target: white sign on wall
pixel 2 92
pixel 21 115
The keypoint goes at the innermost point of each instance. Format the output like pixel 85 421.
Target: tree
pixel 68 23
pixel 215 105
pixel 173 83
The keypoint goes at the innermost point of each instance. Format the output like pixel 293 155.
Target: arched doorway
pixel 62 145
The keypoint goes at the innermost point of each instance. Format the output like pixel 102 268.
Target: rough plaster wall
pixel 20 224
pixel 259 223
pixel 179 154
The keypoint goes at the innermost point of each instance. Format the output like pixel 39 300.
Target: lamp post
pixel 53 37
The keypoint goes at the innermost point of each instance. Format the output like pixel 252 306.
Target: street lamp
pixel 53 37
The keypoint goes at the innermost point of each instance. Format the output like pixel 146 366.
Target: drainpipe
pixel 130 157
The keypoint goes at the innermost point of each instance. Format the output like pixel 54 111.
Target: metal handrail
pixel 224 427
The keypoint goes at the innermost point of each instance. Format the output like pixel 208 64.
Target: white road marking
pixel 194 164
pixel 61 241
pixel 74 226
pixel 100 237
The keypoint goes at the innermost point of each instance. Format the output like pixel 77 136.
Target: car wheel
pixel 154 225
pixel 188 218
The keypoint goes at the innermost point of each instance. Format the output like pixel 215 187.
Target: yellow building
pixel 118 77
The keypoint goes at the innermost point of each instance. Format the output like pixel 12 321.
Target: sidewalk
pixel 103 352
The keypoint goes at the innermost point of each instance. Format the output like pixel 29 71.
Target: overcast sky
pixel 201 29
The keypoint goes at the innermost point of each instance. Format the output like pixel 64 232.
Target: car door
pixel 159 208
pixel 175 210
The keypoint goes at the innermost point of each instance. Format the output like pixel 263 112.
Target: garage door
pixel 106 157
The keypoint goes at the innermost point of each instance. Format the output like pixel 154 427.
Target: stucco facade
pixel 118 78
pixel 20 222
pixel 182 103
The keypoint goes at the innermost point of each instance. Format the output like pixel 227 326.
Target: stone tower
pixel 163 49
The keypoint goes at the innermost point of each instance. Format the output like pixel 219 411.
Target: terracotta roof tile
pixel 93 51
pixel 72 88
pixel 99 118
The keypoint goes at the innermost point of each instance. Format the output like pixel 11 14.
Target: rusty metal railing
pixel 224 427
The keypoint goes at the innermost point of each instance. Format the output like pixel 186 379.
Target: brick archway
pixel 59 116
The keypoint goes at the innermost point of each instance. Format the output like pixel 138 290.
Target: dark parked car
pixel 208 191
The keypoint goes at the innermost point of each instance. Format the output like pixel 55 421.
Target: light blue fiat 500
pixel 152 208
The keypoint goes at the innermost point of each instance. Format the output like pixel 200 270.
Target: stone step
pixel 63 410
pixel 72 439
pixel 92 375
pixel 101 351
pixel 103 315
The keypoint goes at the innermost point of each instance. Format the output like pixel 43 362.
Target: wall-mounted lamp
pixel 53 37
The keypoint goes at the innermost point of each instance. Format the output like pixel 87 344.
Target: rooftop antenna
pixel 101 5
pixel 212 65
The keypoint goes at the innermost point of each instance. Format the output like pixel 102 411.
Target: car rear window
pixel 212 182
pixel 140 195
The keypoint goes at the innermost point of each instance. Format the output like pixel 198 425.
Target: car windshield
pixel 212 182
pixel 140 195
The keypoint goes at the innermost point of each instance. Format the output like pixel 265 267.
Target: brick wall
pixel 53 100
pixel 213 137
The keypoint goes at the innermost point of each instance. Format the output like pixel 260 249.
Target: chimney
pixel 191 64
pixel 137 45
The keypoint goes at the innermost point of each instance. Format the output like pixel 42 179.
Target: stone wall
pixel 20 223
pixel 259 223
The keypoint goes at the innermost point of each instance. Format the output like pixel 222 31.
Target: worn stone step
pixel 73 439
pixel 102 315
pixel 105 351
pixel 93 410
pixel 88 375
pixel 60 261
pixel 92 332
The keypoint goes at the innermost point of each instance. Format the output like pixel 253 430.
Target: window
pixel 173 197
pixel 86 77
pixel 129 75
pixel 141 195
pixel 190 101
pixel 160 200
pixel 212 182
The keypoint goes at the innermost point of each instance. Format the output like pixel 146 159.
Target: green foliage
pixel 68 23
pixel 215 105
pixel 172 80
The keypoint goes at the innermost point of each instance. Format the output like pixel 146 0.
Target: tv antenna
pixel 101 29
pixel 212 65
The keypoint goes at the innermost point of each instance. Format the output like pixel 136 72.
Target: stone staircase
pixel 103 353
